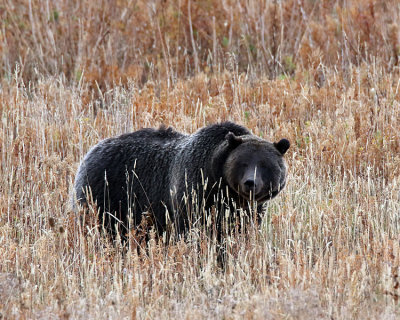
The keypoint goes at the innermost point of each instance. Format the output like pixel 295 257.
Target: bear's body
pixel 170 174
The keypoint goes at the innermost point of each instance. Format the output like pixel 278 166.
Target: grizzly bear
pixel 169 175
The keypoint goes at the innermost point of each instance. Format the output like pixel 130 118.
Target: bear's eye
pixel 243 165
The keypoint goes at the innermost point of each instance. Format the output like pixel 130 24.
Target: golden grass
pixel 329 245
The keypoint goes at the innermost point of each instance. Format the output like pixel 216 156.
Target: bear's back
pixel 162 134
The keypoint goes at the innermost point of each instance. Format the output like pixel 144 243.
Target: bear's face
pixel 255 168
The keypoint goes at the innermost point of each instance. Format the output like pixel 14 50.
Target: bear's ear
pixel 233 140
pixel 282 146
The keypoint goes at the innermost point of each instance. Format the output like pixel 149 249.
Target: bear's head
pixel 255 168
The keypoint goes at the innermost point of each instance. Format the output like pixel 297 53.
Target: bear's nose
pixel 250 184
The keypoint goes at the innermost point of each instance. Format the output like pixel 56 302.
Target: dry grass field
pixel 324 74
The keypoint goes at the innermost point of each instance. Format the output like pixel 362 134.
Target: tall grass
pixel 323 74
pixel 109 42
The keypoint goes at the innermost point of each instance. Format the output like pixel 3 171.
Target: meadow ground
pixel 323 74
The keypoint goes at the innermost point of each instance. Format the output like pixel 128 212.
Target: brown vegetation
pixel 324 74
